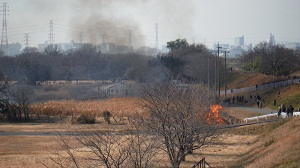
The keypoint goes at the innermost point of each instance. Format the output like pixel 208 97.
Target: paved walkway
pixel 247 108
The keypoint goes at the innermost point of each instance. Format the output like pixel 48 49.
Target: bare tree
pixel 107 148
pixel 142 147
pixel 110 148
pixel 180 115
pixel 20 95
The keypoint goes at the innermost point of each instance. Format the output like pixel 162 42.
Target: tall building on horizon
pixel 239 41
pixel 271 39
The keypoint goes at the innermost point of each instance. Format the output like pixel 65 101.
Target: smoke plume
pixel 99 23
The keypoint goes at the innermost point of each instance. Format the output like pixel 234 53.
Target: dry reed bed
pixel 116 106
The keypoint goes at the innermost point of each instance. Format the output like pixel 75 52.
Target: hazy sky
pixel 200 21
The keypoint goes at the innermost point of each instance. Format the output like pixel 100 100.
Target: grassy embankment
pixel 278 143
pixel 289 94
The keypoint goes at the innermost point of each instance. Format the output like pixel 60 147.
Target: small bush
pixel 268 143
pixel 106 115
pixel 84 119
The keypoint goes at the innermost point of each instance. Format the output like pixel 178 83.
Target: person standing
pixel 279 111
pixel 283 108
pixel 274 102
pixel 291 109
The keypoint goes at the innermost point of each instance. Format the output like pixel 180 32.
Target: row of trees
pixel 87 63
pixel 271 59
pixel 184 61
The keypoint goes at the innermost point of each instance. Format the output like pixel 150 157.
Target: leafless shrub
pixel 84 119
pixel 109 148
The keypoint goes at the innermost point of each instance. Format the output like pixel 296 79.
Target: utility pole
pixel 51 34
pixel 225 71
pixel 215 72
pixel 4 40
pixel 218 70
pixel 208 72
pixel 26 39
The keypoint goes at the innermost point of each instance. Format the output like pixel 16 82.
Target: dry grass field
pixel 234 147
pixel 30 151
pixel 118 107
pixel 264 145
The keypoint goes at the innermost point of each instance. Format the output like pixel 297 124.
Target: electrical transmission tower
pixel 156 35
pixel 51 34
pixel 4 40
pixel 26 40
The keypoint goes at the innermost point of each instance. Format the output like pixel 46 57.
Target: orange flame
pixel 213 115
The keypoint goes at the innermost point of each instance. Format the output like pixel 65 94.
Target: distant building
pixel 236 51
pixel 224 46
pixel 41 47
pixel 145 50
pixel 112 48
pixel 271 39
pixel 239 41
pixel 12 49
pixel 61 46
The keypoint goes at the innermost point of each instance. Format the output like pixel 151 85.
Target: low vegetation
pixel 117 107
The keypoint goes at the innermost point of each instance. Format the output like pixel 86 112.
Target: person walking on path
pixel 290 110
pixel 279 111
pixel 283 108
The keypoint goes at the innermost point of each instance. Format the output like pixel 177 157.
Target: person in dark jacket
pixel 279 111
pixel 290 110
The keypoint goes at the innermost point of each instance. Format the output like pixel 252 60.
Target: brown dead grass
pixel 253 146
pixel 277 145
pixel 280 148
pixel 297 73
pixel 251 79
pixel 263 145
pixel 116 106
pixel 25 151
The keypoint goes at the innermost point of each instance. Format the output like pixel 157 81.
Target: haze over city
pixel 199 21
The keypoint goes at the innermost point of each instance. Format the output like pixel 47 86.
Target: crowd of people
pixel 289 110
